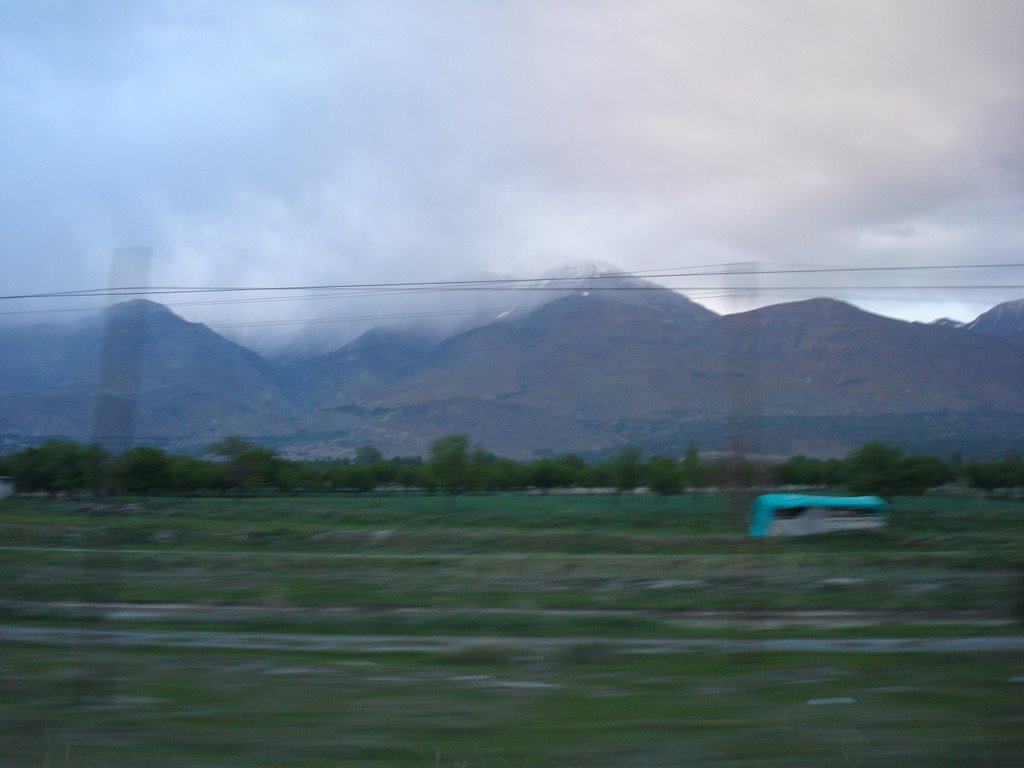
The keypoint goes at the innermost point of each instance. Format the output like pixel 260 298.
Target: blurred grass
pixel 499 705
pixel 485 522
pixel 503 551
pixel 503 568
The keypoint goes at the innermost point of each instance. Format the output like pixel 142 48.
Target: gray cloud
pixel 310 142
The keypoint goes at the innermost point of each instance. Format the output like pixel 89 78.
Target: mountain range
pixel 595 369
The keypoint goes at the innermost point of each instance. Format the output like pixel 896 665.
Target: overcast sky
pixel 291 142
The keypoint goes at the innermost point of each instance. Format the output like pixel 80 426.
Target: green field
pixel 505 630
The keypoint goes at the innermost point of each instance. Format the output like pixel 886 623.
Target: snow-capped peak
pixel 582 269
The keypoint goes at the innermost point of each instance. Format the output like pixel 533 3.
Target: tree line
pixel 454 465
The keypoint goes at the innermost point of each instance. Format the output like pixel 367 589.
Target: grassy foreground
pixel 168 632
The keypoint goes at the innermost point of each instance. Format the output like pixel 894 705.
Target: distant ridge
pixel 589 371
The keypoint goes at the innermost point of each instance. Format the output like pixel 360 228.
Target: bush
pixel 60 465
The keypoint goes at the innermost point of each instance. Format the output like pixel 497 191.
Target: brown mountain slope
pixel 812 373
pixel 586 356
pixel 824 356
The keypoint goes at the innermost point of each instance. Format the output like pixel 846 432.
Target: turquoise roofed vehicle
pixel 793 514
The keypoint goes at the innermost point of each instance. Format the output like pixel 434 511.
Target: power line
pixel 361 318
pixel 520 283
pixel 492 311
pixel 690 291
